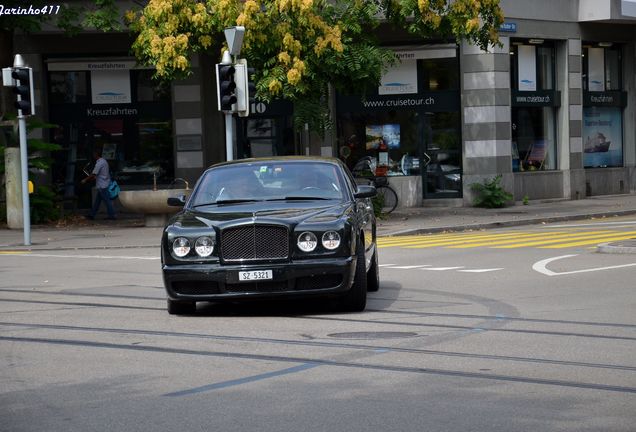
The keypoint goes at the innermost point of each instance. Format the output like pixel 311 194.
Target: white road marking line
pixel 480 270
pixel 411 267
pixel 541 267
pixel 83 256
pixel 442 268
pixel 386 265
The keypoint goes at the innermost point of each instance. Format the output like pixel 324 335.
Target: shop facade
pixel 551 110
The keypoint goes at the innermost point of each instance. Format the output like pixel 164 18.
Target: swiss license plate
pixel 255 275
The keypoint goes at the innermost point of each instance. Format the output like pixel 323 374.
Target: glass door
pixel 441 155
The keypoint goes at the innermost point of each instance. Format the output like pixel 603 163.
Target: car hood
pixel 287 212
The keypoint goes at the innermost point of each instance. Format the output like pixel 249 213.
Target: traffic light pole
pixel 229 136
pixel 24 169
pixel 20 78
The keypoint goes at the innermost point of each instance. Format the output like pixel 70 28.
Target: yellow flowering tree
pixel 300 47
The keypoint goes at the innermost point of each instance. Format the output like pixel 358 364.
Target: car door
pixel 364 215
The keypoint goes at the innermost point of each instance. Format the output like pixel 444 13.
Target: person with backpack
pixel 101 175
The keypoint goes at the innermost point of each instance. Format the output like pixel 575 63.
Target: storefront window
pixel 603 101
pixel 389 139
pixel 122 112
pixel 534 104
pixel 392 129
pixel 68 87
pixel 533 134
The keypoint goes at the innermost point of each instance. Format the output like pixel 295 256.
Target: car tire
pixel 181 308
pixel 373 275
pixel 356 298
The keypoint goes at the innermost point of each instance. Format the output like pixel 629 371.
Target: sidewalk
pixel 129 232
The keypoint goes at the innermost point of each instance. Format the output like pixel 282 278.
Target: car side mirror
pixel 177 201
pixel 365 191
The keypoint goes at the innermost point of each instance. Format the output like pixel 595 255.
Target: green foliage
pixel 491 193
pixel 103 15
pixel 43 200
pixel 526 200
pixel 378 202
pixel 299 48
pixel 43 205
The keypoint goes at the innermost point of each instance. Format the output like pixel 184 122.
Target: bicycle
pixel 387 196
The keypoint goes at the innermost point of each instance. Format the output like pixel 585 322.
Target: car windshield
pixel 268 181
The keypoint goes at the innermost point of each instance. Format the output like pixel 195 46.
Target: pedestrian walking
pixel 101 175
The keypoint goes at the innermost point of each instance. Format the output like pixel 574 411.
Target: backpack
pixel 113 189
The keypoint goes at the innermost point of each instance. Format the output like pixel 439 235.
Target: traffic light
pixel 245 88
pixel 225 86
pixel 24 89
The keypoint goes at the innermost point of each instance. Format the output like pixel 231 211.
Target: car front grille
pixel 254 242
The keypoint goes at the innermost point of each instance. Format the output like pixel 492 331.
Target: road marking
pixel 541 267
pixel 442 268
pixel 585 238
pixel 480 270
pixel 411 266
pixel 429 267
pixel 508 240
pixel 37 255
pixel 537 239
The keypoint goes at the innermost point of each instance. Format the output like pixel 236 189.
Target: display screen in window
pixel 602 137
pixel 533 139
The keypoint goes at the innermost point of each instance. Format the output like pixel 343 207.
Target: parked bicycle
pixel 365 168
pixel 387 196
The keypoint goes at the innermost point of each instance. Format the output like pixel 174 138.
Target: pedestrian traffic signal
pixel 24 90
pixel 225 86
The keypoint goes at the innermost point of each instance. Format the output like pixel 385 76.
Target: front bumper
pixel 215 282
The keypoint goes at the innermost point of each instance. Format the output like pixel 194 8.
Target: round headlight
pixel 204 246
pixel 307 241
pixel 331 240
pixel 181 247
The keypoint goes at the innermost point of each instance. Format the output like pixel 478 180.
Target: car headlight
pixel 181 247
pixel 307 241
pixel 331 240
pixel 204 246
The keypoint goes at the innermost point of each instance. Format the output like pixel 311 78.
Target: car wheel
pixel 181 308
pixel 373 275
pixel 356 299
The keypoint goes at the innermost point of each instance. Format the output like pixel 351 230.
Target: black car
pixel 271 228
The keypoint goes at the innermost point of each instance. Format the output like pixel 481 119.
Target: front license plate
pixel 255 275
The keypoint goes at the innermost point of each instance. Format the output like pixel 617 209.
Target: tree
pixel 300 47
pixel 29 17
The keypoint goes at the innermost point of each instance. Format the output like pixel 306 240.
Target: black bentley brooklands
pixel 271 228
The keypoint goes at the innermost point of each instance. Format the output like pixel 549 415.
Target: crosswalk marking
pixel 507 240
pixel 592 237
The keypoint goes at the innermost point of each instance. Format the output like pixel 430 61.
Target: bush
pixel 491 193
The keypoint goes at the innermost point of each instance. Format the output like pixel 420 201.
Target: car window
pixel 270 181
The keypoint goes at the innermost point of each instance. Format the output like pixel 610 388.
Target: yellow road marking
pixel 516 241
pixel 595 241
pixel 438 239
pixel 14 252
pixel 560 241
pixel 471 242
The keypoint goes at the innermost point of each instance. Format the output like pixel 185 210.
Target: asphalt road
pixel 525 329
